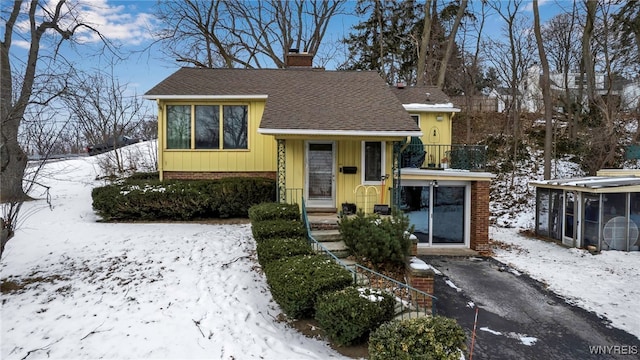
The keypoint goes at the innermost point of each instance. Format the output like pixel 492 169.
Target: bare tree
pixel 472 61
pixel 220 33
pixel 53 22
pixel 601 56
pixel 105 110
pixel 545 84
pixel 451 41
pixel 43 135
pixel 562 39
pixel 513 60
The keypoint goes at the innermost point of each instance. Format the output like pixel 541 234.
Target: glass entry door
pixel 320 174
pixel 448 215
pixel 437 212
pixel 571 223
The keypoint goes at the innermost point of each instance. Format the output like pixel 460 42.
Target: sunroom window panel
pixel 373 161
pixel 207 126
pixel 178 126
pixel 235 126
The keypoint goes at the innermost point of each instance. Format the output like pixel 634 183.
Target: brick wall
pixel 480 216
pixel 422 280
pixel 201 175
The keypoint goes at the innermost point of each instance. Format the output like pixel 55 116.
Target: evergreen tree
pixel 387 41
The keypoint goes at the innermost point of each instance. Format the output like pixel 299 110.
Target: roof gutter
pixel 362 133
pixel 206 97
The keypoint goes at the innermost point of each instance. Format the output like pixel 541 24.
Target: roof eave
pixel 206 97
pixel 355 133
pixel 430 108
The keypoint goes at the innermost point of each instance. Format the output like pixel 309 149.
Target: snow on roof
pixel 448 107
pixel 630 183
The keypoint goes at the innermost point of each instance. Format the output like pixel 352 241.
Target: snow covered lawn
pixel 607 284
pixel 98 290
pixel 84 289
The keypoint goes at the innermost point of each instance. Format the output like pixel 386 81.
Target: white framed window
pixel 373 164
pixel 214 126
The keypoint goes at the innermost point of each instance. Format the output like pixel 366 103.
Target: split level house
pixel 337 139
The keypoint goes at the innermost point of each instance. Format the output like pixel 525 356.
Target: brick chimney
pixel 296 59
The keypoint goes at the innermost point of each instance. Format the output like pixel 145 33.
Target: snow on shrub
pixel 349 315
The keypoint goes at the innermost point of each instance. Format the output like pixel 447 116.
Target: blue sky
pixel 130 22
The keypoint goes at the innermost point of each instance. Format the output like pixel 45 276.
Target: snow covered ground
pixel 99 290
pixel 121 291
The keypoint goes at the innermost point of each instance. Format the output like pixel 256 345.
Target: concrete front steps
pixel 324 228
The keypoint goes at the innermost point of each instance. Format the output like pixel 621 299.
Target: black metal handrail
pixel 410 301
pixel 425 156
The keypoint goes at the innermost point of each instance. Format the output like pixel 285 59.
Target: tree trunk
pixel 546 93
pixel 450 43
pixel 424 44
pixel 13 161
pixel 587 58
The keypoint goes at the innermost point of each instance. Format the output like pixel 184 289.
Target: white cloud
pixel 541 3
pixel 117 23
pixel 21 44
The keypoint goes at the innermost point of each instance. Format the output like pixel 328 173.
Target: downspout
pixel 160 143
pixel 397 149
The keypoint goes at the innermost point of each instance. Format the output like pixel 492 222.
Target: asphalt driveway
pixel 517 317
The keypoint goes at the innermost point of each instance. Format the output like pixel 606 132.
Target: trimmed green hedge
pixel 274 211
pixel 278 248
pixel 297 282
pixel 269 229
pixel 349 315
pixel 437 338
pixel 143 199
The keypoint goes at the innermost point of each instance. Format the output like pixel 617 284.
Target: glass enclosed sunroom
pixel 601 211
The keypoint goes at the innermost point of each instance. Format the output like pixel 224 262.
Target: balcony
pixel 461 157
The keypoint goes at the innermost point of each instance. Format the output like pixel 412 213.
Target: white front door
pixel 320 174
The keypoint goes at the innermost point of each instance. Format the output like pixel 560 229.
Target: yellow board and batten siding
pixel 348 153
pixel 260 155
pixel 428 122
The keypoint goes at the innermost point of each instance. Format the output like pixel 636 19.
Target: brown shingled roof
pixel 300 99
pixel 430 95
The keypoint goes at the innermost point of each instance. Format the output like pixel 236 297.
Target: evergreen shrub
pixel 139 199
pixel 437 338
pixel 278 248
pixel 269 229
pixel 349 315
pixel 379 240
pixel 274 211
pixel 143 176
pixel 297 282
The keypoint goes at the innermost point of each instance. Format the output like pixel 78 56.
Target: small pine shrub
pixel 274 211
pixel 297 282
pixel 269 229
pixel 437 338
pixel 349 315
pixel 278 248
pixel 379 240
